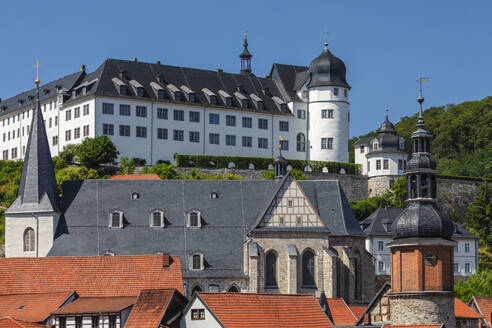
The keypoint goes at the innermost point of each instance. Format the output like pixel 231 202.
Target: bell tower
pixel 245 56
pixel 422 251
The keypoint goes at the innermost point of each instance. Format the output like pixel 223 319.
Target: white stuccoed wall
pixel 209 322
pixel 392 163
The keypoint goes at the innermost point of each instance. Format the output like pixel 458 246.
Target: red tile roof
pixel 461 310
pixel 357 310
pixel 151 176
pixel 265 310
pixel 89 276
pixel 149 308
pixel 97 305
pixel 340 312
pixel 485 307
pixel 8 322
pixel 32 307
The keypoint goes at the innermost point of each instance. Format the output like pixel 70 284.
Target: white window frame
pixel 467 248
pixel 468 265
pixel 201 262
pixel 110 223
pixel 151 219
pixel 380 242
pixel 199 219
pixel 383 266
pixel 456 267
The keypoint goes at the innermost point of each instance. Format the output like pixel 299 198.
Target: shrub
pixel 68 153
pixel 165 171
pixel 74 173
pixel 93 152
pixel 127 166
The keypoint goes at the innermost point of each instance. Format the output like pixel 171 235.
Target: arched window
pixel 157 219
pixel 357 276
pixel 413 186
pixel 196 289
pixel 194 219
pixel 29 240
pixel 116 219
pixel 233 289
pixel 308 269
pixel 271 269
pixel 301 142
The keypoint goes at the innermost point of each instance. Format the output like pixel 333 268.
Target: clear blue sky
pixel 385 45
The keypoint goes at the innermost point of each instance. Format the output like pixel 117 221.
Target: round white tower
pixel 328 109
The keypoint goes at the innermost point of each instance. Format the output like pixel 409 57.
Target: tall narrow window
pixel 308 268
pixel 271 270
pixel 194 219
pixel 112 321
pixel 197 262
pixel 301 142
pixel 157 219
pixel 78 322
pixel 95 322
pixel 116 219
pixel 29 240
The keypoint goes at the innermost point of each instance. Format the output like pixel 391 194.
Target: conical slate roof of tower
pixel 37 190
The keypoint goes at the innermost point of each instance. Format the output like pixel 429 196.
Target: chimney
pixel 135 59
pixel 166 260
pixel 158 62
pixel 82 67
pixel 219 70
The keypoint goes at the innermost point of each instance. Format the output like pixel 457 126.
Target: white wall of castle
pixel 368 161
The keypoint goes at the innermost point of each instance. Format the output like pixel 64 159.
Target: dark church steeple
pixel 245 56
pixel 37 189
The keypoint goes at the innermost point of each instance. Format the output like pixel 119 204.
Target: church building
pixel 270 236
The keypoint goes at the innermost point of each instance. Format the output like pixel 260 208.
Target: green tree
pixel 479 215
pixel 365 207
pixel 127 165
pixel 68 153
pixel 93 152
pixel 480 285
pixel 74 173
pixel 165 171
pixel 399 192
pixel 298 174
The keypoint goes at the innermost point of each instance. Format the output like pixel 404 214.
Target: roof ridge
pixel 256 294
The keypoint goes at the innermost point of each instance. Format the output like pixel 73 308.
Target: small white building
pixel 382 155
pixel 378 229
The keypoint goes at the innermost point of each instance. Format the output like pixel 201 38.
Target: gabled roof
pixel 484 306
pixel 289 79
pixel 264 310
pixel 151 176
pixel 32 307
pixel 89 276
pixel 112 304
pixel 151 306
pixel 9 322
pixel 461 310
pixel 341 315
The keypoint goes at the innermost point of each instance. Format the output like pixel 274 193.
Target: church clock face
pixel 430 258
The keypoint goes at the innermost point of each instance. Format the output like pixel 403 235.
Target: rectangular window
pixel 301 113
pixel 178 115
pixel 378 164
pixel 56 121
pixel 335 91
pixel 456 248
pixel 141 111
pixel 467 267
pixel 95 322
pixel 50 123
pixel 125 110
pixel 385 164
pixel 230 140
pixel 247 142
pixel 125 130
pixel 76 133
pixel 78 322
pixel 283 126
pixel 380 266
pixel 108 108
pixel 380 245
pixel 86 110
pixel 214 138
pixel 326 143
pixel 284 144
pixel 213 118
pixel 5 155
pixel 178 135
pixel 198 314
pixel 194 136
pixel 76 112
pixel 141 132
pixel 197 262
pixel 108 129
pixel 112 321
pixel 14 153
pixel 247 122
pixel 68 135
pixel 362 149
pixel 262 123
pixel 400 164
pixel 86 131
pixel 161 133
pixel 467 247
pixel 162 113
pixel 194 116
pixel 68 115
pixel 230 120
pixel 263 143
pixel 62 322
pixel 327 113
pixel 456 267
pixel 54 140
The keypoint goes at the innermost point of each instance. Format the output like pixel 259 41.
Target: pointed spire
pixel 37 189
pixel 420 100
pixel 245 56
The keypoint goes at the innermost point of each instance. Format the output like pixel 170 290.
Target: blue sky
pixel 386 45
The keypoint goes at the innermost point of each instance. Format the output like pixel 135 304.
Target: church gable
pixel 290 208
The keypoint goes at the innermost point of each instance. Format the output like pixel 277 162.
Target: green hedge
pixel 220 162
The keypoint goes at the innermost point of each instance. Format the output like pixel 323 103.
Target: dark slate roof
pixel 363 141
pixel 327 70
pixel 37 188
pixel 376 224
pixel 225 221
pixel 289 78
pixel 47 91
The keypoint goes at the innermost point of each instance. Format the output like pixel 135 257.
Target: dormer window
pixel 260 105
pixel 123 90
pixel 375 146
pixel 228 101
pixel 283 108
pixel 213 100
pixel 157 219
pixel 258 101
pixel 194 219
pixel 214 195
pixel 116 219
pixel 178 96
pixel 192 97
pixel 140 92
pixel 197 261
pixel 244 103
pixel 135 195
pixel 161 94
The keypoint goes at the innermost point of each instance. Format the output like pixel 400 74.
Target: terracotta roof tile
pixel 461 310
pixel 357 310
pixel 485 307
pixel 340 312
pixel 89 276
pixel 151 176
pixel 265 310
pixel 149 308
pixel 97 305
pixel 8 322
pixel 32 307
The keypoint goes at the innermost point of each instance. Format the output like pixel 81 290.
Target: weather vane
pixel 37 66
pixel 325 37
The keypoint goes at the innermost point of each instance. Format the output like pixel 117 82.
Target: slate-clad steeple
pixel 37 190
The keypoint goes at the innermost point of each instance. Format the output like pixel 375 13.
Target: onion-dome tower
pixel 422 278
pixel 328 108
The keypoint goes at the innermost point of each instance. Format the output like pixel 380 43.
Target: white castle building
pixel 154 111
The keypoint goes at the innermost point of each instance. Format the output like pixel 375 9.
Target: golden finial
pixel 280 143
pixel 37 66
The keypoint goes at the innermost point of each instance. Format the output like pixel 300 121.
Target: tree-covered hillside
pixel 462 143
